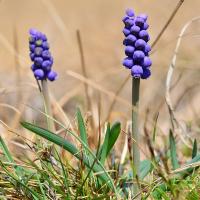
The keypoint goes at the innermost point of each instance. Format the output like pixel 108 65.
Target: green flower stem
pixel 47 106
pixel 135 132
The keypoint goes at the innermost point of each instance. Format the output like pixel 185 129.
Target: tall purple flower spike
pixel 136 44
pixel 41 56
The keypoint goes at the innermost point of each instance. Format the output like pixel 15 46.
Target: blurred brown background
pixel 99 22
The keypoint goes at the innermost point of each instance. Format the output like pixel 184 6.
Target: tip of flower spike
pixel 130 12
pixel 33 31
pixel 143 16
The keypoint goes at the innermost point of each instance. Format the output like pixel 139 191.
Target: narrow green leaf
pixel 114 133
pixel 41 186
pixel 194 149
pixel 70 148
pixel 173 154
pixel 81 126
pixel 104 147
pixel 145 168
pixel 5 150
pixel 65 177
pixel 3 146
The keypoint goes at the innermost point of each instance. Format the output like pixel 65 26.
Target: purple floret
pixel 39 74
pixel 144 35
pixel 146 62
pixel 138 55
pixel 135 30
pixel 140 44
pixel 137 71
pixel 52 76
pixel 130 13
pixel 145 26
pixel 128 63
pixel 38 60
pixel 146 74
pixel 129 23
pixel 131 39
pixel 45 45
pixel 143 16
pixel 126 31
pixel 129 50
pixel 139 22
pixel 38 51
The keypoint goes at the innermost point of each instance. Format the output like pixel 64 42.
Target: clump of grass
pixel 51 176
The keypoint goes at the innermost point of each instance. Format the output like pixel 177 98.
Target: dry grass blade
pixel 175 123
pixel 84 71
pixel 98 87
pixel 10 107
pixel 168 22
pixel 183 168
pixel 56 18
pixel 11 50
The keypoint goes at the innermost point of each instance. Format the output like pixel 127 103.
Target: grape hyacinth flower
pixel 41 56
pixel 137 51
pixel 42 69
pixel 136 44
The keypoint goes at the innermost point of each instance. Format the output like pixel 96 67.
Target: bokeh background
pixel 100 26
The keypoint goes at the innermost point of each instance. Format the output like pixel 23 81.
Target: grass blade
pixel 5 150
pixel 81 126
pixel 18 169
pixel 145 168
pixel 65 177
pixel 194 149
pixel 114 133
pixel 173 154
pixel 103 150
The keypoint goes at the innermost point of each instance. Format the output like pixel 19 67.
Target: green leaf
pixel 145 168
pixel 70 148
pixel 194 149
pixel 109 141
pixel 173 154
pixel 66 184
pixel 113 135
pixel 104 147
pixel 3 146
pixel 81 126
pixel 5 150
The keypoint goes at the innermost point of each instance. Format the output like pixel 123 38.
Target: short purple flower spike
pixel 136 44
pixel 41 56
